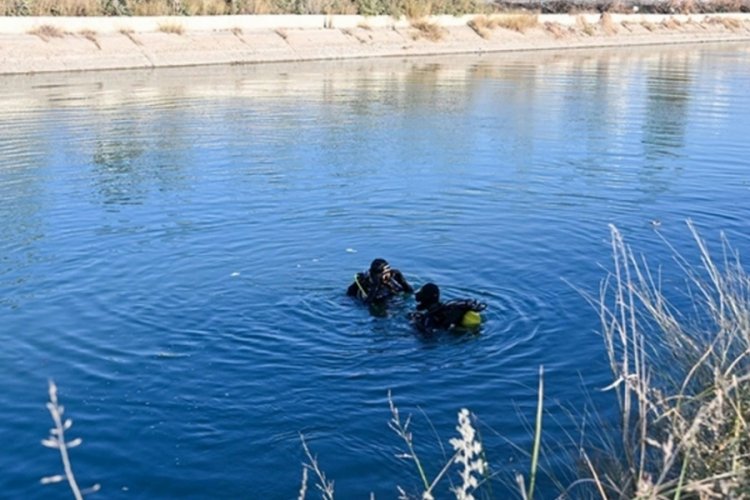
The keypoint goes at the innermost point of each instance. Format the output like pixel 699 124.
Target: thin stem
pixel 537 434
pixel 56 411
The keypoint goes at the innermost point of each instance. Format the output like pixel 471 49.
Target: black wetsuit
pixel 444 315
pixel 371 291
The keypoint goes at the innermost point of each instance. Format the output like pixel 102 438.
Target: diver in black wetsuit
pixel 378 284
pixel 433 315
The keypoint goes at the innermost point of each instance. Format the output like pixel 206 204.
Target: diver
pixel 433 315
pixel 378 284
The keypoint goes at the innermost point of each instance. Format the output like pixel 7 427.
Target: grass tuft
pixel 131 35
pixel 584 26
pixel 729 23
pixel 172 28
pixel 90 35
pixel 671 24
pixel 608 26
pixel 428 30
pixel 556 29
pixel 483 25
pixel 518 22
pixel 47 31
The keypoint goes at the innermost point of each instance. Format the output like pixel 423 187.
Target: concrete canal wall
pixel 45 44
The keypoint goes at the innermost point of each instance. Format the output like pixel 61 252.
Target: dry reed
pixel 324 485
pixel 683 386
pixel 58 441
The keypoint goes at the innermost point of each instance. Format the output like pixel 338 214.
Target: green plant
pixel 115 8
pixel 371 7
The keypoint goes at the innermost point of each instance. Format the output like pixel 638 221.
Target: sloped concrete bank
pixel 29 45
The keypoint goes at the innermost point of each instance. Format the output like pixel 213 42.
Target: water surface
pixel 175 246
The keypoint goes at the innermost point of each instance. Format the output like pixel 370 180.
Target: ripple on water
pixel 175 246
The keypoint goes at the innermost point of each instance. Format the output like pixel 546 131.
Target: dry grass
pixel 131 35
pixel 258 7
pixel 728 23
pixel 518 22
pixel 427 30
pixel 90 35
pixel 648 26
pixel 172 28
pixel 47 31
pixel 483 25
pixel 608 26
pixel 282 33
pixel 682 6
pixel 467 462
pixel 683 386
pixel 205 7
pixel 58 441
pixel 585 27
pixel 63 7
pixel 415 9
pixel 671 24
pixel 412 9
pixel 558 30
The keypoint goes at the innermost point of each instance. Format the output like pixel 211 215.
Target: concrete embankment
pixel 29 45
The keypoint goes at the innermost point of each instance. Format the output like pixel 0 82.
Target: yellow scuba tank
pixel 471 319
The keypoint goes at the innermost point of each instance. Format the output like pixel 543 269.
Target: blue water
pixel 175 246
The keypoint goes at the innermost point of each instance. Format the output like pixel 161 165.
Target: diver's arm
pixel 399 278
pixel 421 322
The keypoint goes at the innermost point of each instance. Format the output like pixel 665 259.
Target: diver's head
pixel 379 268
pixel 427 296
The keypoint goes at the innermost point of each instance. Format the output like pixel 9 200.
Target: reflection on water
pixel 116 171
pixel 668 86
pixel 174 246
